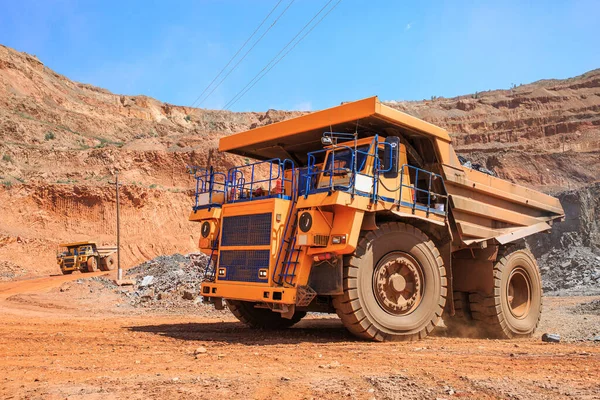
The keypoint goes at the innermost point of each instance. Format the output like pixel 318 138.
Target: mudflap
pixel 326 277
pixel 216 301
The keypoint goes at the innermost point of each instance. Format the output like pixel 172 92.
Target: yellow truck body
pixel 301 228
pixel 85 256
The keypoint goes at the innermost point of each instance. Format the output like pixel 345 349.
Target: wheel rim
pixel 518 293
pixel 398 283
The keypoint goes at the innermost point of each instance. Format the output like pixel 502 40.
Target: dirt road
pixel 85 343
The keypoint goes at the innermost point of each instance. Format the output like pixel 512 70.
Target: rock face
pixel 569 256
pixel 545 135
pixel 62 141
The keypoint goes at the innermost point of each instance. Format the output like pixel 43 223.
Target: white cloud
pixel 408 26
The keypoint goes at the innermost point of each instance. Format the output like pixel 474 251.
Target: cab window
pixel 342 161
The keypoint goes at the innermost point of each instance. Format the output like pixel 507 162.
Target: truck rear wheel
pixel 92 264
pixel 108 263
pixel 262 318
pixel 515 307
pixel 395 285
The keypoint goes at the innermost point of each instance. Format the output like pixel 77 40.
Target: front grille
pixel 243 265
pixel 69 262
pixel 321 240
pixel 247 230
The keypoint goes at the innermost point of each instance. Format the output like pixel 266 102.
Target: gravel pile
pixel 168 281
pixel 569 256
pixel 10 271
pixel 592 308
pixel 571 271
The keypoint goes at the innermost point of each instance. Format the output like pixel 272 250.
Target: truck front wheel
pixel 262 318
pixel 395 285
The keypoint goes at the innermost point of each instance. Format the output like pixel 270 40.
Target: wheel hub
pixel 398 283
pixel 519 293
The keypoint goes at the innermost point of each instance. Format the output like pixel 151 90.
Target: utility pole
pixel 119 269
pixel 119 281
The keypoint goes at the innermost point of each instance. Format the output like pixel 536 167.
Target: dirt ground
pixel 67 337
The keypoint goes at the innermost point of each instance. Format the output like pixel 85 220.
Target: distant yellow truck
pixel 85 257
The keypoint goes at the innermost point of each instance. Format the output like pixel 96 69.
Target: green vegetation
pixel 102 178
pixel 7 184
pixel 153 186
pixel 6 158
pixel 19 179
pixel 103 141
pixel 66 181
pixel 49 136
pixel 188 118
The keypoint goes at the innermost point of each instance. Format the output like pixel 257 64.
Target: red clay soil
pixel 62 339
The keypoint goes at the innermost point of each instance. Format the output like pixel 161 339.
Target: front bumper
pixel 249 293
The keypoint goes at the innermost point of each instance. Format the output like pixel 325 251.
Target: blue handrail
pixel 293 213
pixel 245 182
pixel 330 169
pixel 208 182
pixel 414 204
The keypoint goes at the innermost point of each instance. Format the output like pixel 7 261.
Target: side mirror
pixel 326 141
pixel 390 158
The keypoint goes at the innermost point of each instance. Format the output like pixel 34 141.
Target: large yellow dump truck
pixel 367 212
pixel 85 256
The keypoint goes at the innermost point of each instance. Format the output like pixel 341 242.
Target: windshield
pixel 342 161
pixel 84 249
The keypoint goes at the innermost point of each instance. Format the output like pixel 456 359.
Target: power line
pixel 277 55
pixel 238 52
pixel 254 80
pixel 248 52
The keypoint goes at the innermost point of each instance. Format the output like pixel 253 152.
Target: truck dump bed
pixel 482 206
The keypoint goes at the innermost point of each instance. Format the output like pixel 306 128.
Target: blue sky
pixel 398 50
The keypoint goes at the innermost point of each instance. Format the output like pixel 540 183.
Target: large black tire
pixel 462 324
pixel 462 317
pixel 66 272
pixel 515 308
pixel 92 264
pixel 108 263
pixel 369 284
pixel 262 318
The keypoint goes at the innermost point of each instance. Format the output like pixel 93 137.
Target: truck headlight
pixel 222 271
pixel 305 221
pixel 205 229
pixel 338 239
